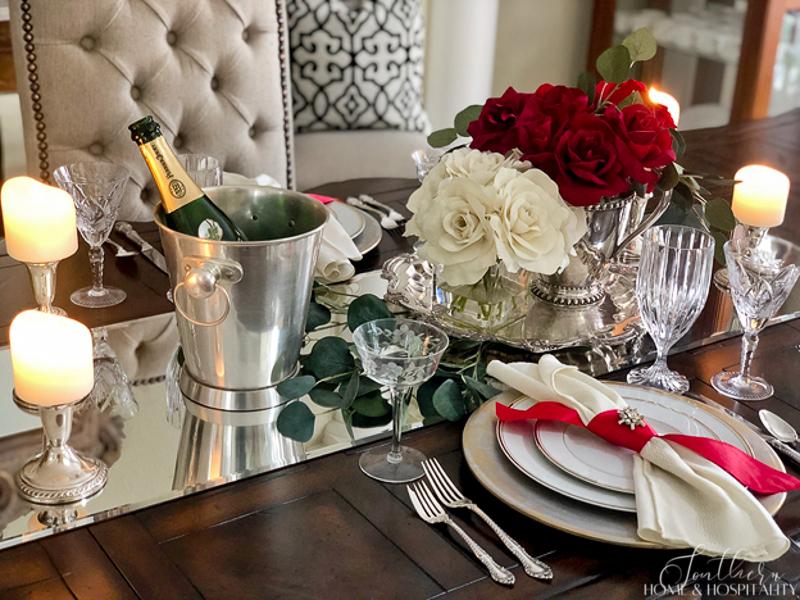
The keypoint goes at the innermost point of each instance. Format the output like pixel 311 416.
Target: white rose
pixel 456 230
pixel 535 229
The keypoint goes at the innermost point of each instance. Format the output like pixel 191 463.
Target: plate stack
pixel 568 478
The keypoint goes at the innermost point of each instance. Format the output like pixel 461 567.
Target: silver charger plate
pixel 584 456
pixel 502 479
pixel 371 236
pixel 352 220
pixel 546 327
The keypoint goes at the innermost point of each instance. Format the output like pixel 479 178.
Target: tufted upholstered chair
pixel 214 73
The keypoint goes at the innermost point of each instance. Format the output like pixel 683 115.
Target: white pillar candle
pixel 39 221
pixel 759 197
pixel 672 106
pixel 51 358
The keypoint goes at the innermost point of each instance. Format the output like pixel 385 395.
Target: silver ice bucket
pixel 241 306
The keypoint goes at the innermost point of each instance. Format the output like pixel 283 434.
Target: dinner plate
pixel 352 220
pixel 588 457
pixel 509 485
pixel 371 236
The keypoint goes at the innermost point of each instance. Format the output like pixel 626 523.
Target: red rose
pixel 560 101
pixel 506 123
pixel 614 93
pixel 645 132
pixel 588 166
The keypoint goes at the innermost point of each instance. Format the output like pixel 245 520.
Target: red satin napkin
pixel 323 199
pixel 748 471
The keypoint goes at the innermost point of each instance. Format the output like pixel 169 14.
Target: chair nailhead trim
pixel 33 85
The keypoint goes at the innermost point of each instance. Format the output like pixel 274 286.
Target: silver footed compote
pixel 97 189
pixel 672 288
pixel 759 285
pixel 400 354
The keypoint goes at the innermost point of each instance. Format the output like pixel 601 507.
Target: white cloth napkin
pixel 682 499
pixel 335 252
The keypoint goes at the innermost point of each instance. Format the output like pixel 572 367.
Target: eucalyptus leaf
pixel 614 64
pixel 318 316
pixel 678 143
pixel 351 389
pixel 465 117
pixel 366 422
pixel 371 405
pixel 448 401
pixel 720 238
pixel 641 45
pixel 366 385
pixel 587 81
pixel 442 137
pixel 366 308
pixel 669 177
pixel 296 386
pixel 327 398
pixel 483 389
pixel 719 214
pixel 296 421
pixel 425 396
pixel 330 356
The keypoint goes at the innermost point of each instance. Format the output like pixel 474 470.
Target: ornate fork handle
pixel 498 573
pixel 533 566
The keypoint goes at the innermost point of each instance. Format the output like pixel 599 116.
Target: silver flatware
pixel 449 495
pixel 121 252
pixel 393 214
pixel 780 446
pixel 386 222
pixel 430 511
pixel 783 432
pixel 153 255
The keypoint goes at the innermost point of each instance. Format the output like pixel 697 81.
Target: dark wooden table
pixel 323 530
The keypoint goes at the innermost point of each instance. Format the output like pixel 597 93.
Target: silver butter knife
pixel 780 446
pixel 153 255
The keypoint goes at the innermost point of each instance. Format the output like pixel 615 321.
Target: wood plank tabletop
pixel 321 529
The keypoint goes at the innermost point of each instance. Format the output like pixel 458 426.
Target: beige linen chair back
pixel 214 73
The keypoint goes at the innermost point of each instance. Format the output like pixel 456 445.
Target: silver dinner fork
pixel 449 495
pixel 430 511
pixel 121 251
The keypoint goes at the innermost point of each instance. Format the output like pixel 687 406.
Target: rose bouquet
pixel 515 193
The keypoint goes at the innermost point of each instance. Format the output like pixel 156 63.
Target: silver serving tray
pixel 545 328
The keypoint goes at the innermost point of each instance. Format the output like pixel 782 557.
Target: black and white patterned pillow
pixel 357 64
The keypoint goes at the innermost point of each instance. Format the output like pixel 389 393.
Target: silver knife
pixel 780 446
pixel 153 255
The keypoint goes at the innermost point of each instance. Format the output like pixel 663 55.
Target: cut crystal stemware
pixel 672 288
pixel 401 354
pixel 759 285
pixel 97 190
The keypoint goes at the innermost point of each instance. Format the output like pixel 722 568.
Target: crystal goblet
pixel 401 354
pixel 97 189
pixel 672 288
pixel 759 285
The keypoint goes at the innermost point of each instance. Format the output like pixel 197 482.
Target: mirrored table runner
pixel 159 447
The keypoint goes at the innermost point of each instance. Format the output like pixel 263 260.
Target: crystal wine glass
pixel 759 285
pixel 97 189
pixel 204 170
pixel 401 354
pixel 672 288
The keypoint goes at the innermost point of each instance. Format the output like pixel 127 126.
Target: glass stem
pixel 749 344
pixel 96 261
pixel 399 396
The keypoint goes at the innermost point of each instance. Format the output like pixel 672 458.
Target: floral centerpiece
pixel 546 181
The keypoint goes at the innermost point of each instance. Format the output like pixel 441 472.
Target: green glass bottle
pixel 186 207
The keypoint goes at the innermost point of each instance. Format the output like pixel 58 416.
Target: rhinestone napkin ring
pixel 630 417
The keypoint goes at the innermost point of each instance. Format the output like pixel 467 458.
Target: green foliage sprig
pixel 331 375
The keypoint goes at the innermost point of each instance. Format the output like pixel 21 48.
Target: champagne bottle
pixel 186 207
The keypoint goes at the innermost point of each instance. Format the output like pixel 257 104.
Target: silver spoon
pixel 782 431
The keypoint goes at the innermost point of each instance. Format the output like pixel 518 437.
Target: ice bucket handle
pixel 203 277
pixel 660 208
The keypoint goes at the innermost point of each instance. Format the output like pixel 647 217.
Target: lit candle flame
pixel 659 97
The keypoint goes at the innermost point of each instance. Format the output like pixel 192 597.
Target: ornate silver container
pixel 241 306
pixel 583 281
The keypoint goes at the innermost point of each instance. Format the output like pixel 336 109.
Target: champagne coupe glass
pixel 97 189
pixel 401 354
pixel 759 285
pixel 203 169
pixel 672 288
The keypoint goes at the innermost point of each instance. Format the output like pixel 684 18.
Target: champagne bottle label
pixel 176 188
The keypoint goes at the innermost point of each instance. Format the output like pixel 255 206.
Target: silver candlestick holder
pixel 746 237
pixel 59 474
pixel 43 281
